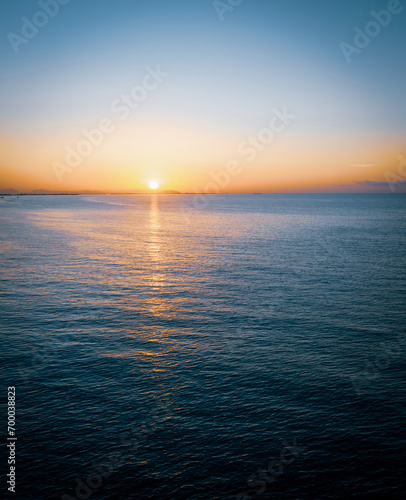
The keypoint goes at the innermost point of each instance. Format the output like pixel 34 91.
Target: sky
pixel 203 95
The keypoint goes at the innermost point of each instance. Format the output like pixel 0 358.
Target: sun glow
pixel 153 185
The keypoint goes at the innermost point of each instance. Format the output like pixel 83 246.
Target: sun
pixel 153 185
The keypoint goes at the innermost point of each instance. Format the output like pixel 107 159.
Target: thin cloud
pixel 380 184
pixel 364 165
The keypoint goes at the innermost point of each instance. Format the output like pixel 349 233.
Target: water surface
pixel 190 343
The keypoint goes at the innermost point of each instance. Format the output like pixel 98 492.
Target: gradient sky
pixel 225 79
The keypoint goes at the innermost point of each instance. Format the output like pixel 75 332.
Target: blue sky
pixel 225 75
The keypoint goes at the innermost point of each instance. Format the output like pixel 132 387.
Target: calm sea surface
pixel 254 347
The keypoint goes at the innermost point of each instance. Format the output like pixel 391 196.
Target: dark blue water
pixel 251 349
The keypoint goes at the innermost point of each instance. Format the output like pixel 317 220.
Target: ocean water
pixel 253 348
